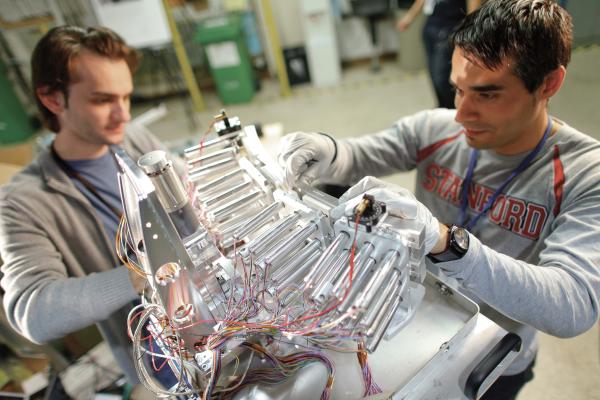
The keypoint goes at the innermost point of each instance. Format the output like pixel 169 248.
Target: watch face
pixel 461 238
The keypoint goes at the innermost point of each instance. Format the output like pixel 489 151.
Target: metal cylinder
pixel 221 140
pixel 297 260
pixel 358 284
pixel 234 175
pixel 169 188
pixel 360 258
pixel 265 240
pixel 258 221
pixel 220 213
pixel 209 170
pixel 296 275
pixel 213 167
pixel 332 253
pixel 379 278
pixel 375 333
pixel 235 229
pixel 282 250
pixel 170 192
pixel 228 226
pixel 324 287
pixel 217 198
pixel 286 236
pixel 392 288
pixel 227 152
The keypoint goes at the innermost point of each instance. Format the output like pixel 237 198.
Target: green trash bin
pixel 228 59
pixel 15 125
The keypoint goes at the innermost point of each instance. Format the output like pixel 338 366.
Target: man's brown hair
pixel 53 56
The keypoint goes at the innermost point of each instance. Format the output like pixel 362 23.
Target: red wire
pixel 203 138
pixel 156 369
pixel 349 281
pixel 133 319
pixel 308 317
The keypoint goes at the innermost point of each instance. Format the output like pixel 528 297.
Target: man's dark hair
pixel 53 57
pixel 534 34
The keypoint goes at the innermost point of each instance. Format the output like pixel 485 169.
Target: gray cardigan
pixel 60 271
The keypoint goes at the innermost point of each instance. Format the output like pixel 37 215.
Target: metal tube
pixel 169 188
pixel 358 283
pixel 283 249
pixel 392 289
pixel 259 257
pixel 219 197
pixel 259 244
pixel 362 255
pixel 298 259
pixel 245 226
pixel 330 254
pixel 296 276
pixel 227 227
pixel 255 223
pixel 170 191
pixel 227 151
pixel 379 277
pixel 375 333
pixel 208 186
pixel 214 164
pixel 217 167
pixel 324 288
pixel 210 143
pixel 221 212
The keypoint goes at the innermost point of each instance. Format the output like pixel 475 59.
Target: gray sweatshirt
pixel 60 271
pixel 534 258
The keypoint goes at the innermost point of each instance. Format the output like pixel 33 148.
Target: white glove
pixel 306 157
pixel 399 200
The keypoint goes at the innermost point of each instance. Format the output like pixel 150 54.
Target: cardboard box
pixel 27 376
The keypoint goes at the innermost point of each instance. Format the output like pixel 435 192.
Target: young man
pixel 59 216
pixel 525 185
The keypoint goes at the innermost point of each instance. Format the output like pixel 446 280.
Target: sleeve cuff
pixel 463 268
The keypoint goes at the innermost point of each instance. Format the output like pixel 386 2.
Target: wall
pixel 586 14
pixel 289 25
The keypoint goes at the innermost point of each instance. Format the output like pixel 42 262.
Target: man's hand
pixel 306 156
pixel 137 281
pixel 398 200
pixel 404 23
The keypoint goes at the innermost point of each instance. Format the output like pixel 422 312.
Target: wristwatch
pixel 456 248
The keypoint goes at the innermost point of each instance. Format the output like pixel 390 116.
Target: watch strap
pixel 452 251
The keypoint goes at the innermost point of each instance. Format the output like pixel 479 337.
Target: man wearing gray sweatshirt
pixel 509 194
pixel 59 216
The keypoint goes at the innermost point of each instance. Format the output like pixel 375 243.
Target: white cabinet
pixel 321 42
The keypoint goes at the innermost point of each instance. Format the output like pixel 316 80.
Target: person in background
pixel 443 16
pixel 508 194
pixel 59 215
